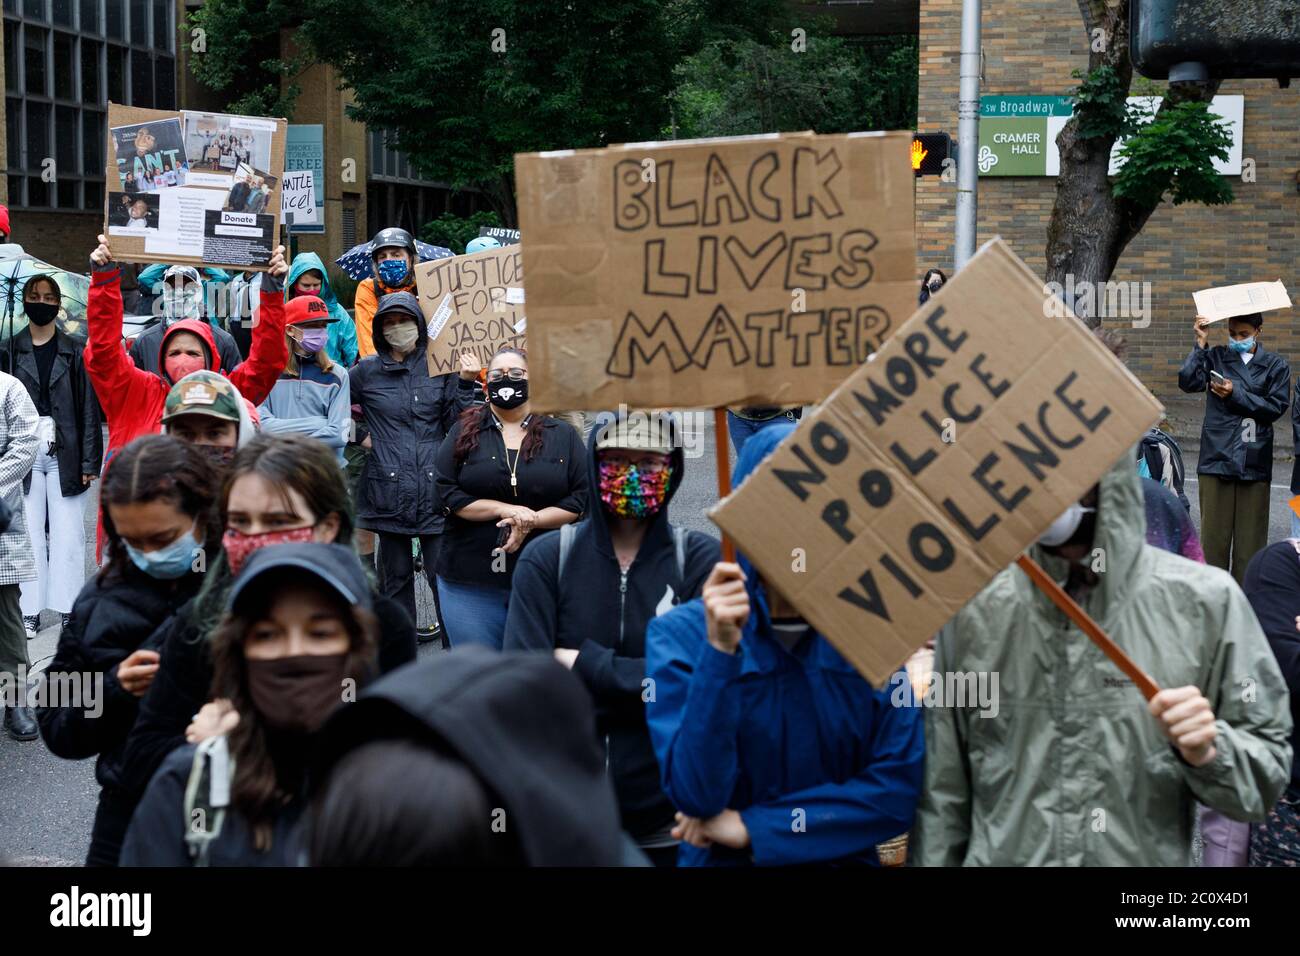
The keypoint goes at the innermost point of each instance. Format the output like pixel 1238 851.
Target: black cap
pixel 334 564
pixel 399 302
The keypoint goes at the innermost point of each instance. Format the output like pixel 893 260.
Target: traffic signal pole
pixel 968 134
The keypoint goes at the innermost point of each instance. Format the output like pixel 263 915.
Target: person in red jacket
pixel 133 399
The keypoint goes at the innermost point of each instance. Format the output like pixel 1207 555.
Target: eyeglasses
pixel 514 374
pixel 650 464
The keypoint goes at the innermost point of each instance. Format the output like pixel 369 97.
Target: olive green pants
pixel 1234 521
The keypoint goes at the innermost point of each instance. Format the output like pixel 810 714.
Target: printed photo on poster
pixel 251 191
pixel 216 144
pixel 132 214
pixel 238 238
pixel 150 156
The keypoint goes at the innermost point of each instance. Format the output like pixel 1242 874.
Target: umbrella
pixel 74 289
pixel 356 261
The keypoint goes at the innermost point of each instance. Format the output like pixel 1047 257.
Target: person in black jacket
pixel 281 489
pixel 407 412
pixel 157 498
pixel 1273 587
pixel 48 362
pixel 504 473
pixel 298 639
pixel 1249 389
pixel 588 600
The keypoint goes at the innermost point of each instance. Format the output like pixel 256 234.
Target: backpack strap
pixel 567 532
pixel 679 551
pixel 207 791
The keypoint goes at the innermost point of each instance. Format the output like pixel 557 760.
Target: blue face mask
pixel 392 272
pixel 1242 345
pixel 169 563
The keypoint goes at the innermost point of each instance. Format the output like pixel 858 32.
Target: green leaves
pixel 1101 107
pixel 1174 154
pixel 454 231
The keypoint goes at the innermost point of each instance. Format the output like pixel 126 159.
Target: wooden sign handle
pixel 1070 607
pixel 724 472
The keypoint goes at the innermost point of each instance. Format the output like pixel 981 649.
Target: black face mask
pixel 41 313
pixel 219 456
pixel 516 393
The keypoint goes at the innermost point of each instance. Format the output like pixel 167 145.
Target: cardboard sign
pixel 938 462
pixel 746 270
pixel 299 198
pixel 472 302
pixel 1245 299
pixel 201 189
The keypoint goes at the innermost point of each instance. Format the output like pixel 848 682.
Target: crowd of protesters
pixel 615 693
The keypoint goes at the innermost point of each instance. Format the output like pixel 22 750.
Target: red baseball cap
pixel 307 308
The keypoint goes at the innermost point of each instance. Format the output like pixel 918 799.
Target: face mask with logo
pixel 174 561
pixel 1241 345
pixel 402 336
pixel 41 313
pixel 1064 527
pixel 392 272
pixel 239 545
pixel 508 394
pixel 313 340
pixel 296 694
pixel 628 492
pixel 186 304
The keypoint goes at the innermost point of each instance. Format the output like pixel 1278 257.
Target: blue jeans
pixel 740 429
pixel 473 614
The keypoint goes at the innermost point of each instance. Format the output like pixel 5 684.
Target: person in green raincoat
pixel 1072 767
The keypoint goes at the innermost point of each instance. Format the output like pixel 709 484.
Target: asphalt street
pixel 47 804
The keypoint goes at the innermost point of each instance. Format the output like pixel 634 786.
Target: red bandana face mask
pixel 239 545
pixel 178 366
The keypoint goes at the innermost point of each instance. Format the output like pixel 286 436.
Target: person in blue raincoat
pixel 774 750
pixel 307 276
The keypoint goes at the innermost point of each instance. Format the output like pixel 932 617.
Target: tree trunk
pixel 1090 228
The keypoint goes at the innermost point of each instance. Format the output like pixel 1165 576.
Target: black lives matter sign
pixel 714 272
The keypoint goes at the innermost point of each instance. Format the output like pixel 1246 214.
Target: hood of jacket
pixel 522 723
pixel 194 327
pixel 307 262
pixel 658 529
pixel 381 343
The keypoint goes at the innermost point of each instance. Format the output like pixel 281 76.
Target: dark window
pixel 38 135
pixel 34 50
pixel 11 6
pixel 92 143
pixel 64 67
pixel 164 72
pixel 34 9
pixel 65 140
pixel 67 194
pixel 94 197
pixel 63 12
pixel 11 56
pixel 90 16
pixel 38 192
pixel 13 113
pixel 115 14
pixel 16 191
pixel 116 72
pixel 91 89
pixel 141 79
pixel 162 32
pixel 139 22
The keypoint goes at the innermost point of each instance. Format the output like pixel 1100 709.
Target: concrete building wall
pixel 1031 47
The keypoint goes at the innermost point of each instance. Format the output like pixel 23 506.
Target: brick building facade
pixel 1031 47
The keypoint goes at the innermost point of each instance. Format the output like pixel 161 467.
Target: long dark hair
pixel 260 789
pixel 286 462
pixel 473 419
pixel 158 468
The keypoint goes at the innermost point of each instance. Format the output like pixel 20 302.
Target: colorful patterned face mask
pixel 628 492
pixel 239 545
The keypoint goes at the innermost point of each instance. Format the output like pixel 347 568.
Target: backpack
pixel 207 791
pixel 1164 461
pixel 570 530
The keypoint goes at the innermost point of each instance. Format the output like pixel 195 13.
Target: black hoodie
pixel 521 724
pixel 603 614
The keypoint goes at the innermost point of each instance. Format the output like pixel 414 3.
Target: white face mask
pixel 1064 527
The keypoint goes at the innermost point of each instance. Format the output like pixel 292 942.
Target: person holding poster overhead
pixel 1248 389
pixel 774 750
pixel 392 258
pixel 1112 780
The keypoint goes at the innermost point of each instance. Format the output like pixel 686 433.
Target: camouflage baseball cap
pixel 203 393
pixel 635 431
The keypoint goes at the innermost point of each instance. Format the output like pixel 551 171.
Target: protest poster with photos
pixel 201 189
